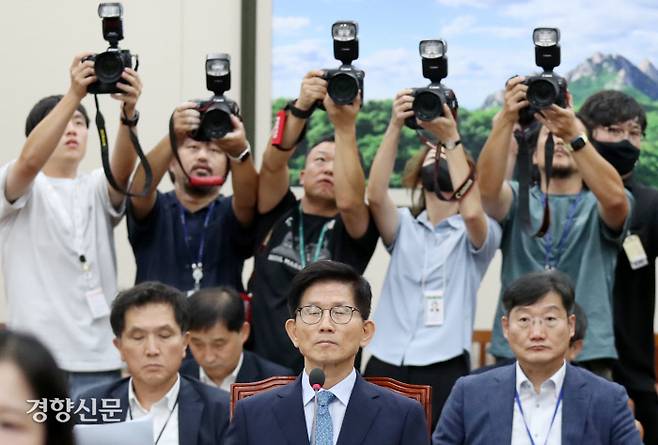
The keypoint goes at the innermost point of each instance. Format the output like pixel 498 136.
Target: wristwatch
pixel 450 145
pixel 130 121
pixel 298 112
pixel 577 143
pixel 243 156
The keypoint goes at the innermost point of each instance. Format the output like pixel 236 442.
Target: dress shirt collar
pixel 169 398
pixel 228 380
pixel 342 390
pixel 557 379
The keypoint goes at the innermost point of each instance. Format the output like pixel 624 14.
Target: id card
pixel 97 303
pixel 635 253
pixel 433 307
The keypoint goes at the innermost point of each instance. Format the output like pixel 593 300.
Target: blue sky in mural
pixel 487 41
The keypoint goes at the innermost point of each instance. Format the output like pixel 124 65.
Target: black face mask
pixel 427 178
pixel 621 155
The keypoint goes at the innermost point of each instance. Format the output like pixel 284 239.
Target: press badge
pixel 433 307
pixel 637 257
pixel 97 303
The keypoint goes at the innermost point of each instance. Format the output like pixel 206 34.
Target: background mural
pixel 605 44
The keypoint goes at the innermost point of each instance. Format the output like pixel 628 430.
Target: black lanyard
pixel 551 261
pixel 527 430
pixel 173 408
pixel 196 265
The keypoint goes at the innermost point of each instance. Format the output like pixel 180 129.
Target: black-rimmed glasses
pixel 312 314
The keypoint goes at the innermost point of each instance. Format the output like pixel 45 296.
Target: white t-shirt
pixel 42 235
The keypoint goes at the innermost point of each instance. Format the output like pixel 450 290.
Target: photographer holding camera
pixel 588 215
pixel 194 237
pixel 440 249
pixel 57 229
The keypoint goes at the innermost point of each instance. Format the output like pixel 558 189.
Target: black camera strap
pixel 524 161
pixel 105 156
pixel 195 181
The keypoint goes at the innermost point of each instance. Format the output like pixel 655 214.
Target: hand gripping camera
pixel 428 101
pixel 216 112
pixel 110 65
pixel 345 82
pixel 546 88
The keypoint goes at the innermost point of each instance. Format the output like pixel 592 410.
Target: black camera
pixel 428 101
pixel 110 65
pixel 216 112
pixel 345 82
pixel 546 88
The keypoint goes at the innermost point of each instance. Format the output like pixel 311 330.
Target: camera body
pixel 216 112
pixel 429 100
pixel 109 65
pixel 546 88
pixel 344 84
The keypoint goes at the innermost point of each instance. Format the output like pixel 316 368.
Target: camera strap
pixel 524 161
pixel 105 156
pixel 195 181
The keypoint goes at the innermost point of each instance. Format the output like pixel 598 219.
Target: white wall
pixel 39 39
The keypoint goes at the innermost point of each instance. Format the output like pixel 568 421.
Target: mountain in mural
pixel 604 71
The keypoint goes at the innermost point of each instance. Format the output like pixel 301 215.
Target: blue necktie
pixel 325 433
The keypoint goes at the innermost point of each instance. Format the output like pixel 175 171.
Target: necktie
pixel 325 433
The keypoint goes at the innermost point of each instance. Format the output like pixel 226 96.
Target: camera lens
pixel 215 123
pixel 108 67
pixel 428 105
pixel 343 88
pixel 542 93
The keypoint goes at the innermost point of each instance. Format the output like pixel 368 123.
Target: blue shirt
pixel 161 253
pixel 426 258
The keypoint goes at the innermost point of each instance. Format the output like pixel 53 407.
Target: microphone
pixel 316 380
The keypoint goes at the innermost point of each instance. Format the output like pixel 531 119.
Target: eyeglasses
pixel 618 131
pixel 549 321
pixel 312 314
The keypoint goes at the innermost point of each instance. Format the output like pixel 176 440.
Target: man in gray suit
pixel 540 398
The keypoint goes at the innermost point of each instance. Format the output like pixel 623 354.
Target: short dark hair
pixel 213 305
pixel 149 292
pixel 45 106
pixel 609 107
pixel 45 379
pixel 331 139
pixel 581 324
pixel 327 270
pixel 532 287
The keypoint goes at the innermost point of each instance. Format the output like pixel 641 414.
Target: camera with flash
pixel 345 82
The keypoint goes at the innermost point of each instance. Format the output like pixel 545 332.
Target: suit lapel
pixel 121 392
pixel 575 405
pixel 248 371
pixel 288 410
pixel 500 401
pixel 190 410
pixel 361 412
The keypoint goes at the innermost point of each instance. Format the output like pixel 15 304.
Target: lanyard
pixel 197 266
pixel 527 430
pixel 318 246
pixel 548 237
pixel 173 408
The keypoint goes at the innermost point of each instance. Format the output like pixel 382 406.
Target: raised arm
pixel 273 181
pixel 379 200
pixel 243 173
pixel 186 119
pixel 601 177
pixel 124 155
pixel 470 206
pixel 349 178
pixel 45 137
pixel 492 164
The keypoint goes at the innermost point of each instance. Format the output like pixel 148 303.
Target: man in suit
pixel 150 324
pixel 218 331
pixel 540 398
pixel 329 304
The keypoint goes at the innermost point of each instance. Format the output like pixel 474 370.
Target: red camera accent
pixel 279 127
pixel 206 181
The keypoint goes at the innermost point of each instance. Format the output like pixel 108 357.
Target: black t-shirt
pixel 634 296
pixel 277 260
pixel 161 253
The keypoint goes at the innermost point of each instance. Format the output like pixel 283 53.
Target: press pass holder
pixel 635 253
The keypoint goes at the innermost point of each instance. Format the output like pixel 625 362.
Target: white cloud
pixel 291 62
pixel 462 24
pixel 462 3
pixel 287 25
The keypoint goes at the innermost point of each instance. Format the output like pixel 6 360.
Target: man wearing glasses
pixel 616 124
pixel 329 303
pixel 540 399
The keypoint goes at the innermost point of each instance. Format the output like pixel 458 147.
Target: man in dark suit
pixel 150 324
pixel 329 303
pixel 540 398
pixel 218 331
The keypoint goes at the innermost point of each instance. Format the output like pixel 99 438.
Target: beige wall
pixel 39 39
